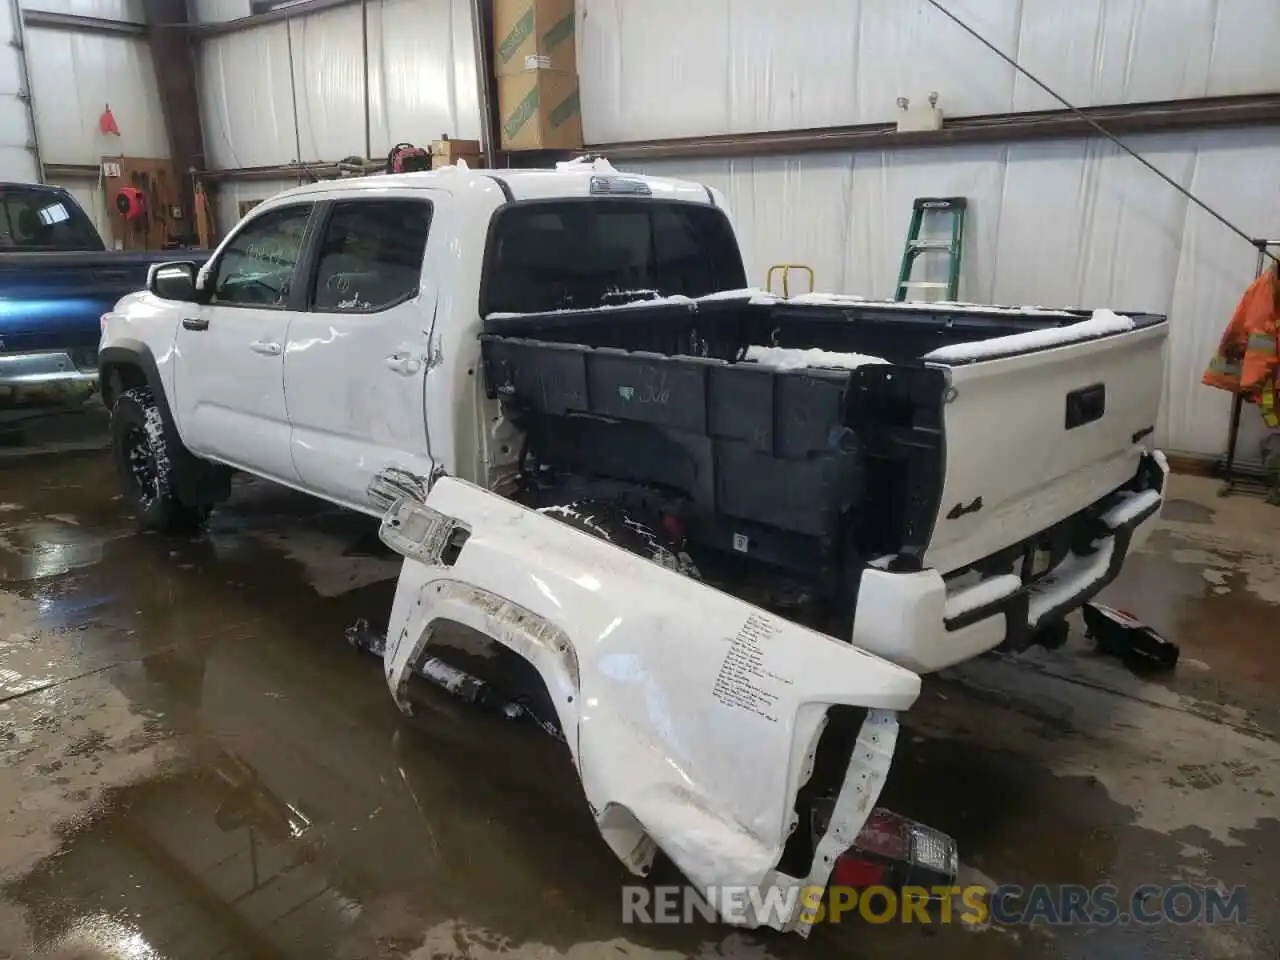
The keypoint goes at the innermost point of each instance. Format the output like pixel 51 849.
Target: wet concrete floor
pixel 194 764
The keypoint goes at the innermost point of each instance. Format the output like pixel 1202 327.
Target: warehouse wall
pixel 671 68
pixel 229 196
pixel 74 76
pixel 1056 224
pixel 130 10
pixel 216 11
pixel 1051 223
pixel 422 71
pixel 16 161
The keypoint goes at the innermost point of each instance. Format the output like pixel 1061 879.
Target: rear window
pixel 582 253
pixel 43 220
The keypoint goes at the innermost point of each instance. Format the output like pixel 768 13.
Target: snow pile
pixel 826 299
pixel 746 293
pixel 1103 323
pixel 594 164
pixel 766 298
pixel 658 302
pixel 981 594
pixel 788 358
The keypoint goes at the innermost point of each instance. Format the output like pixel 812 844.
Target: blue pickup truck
pixel 57 278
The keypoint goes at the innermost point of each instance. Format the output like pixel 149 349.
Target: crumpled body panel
pixel 693 718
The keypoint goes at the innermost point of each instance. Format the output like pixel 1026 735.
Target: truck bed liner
pixel 723 327
pixel 740 405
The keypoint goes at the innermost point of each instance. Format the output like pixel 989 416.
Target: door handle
pixel 195 323
pixel 403 363
pixel 266 348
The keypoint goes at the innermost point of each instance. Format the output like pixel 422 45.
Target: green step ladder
pixel 951 206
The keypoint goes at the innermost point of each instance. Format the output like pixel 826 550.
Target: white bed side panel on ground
pixel 693 717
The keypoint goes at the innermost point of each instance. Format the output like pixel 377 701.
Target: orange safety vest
pixel 1247 360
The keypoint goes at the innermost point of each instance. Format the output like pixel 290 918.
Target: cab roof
pixel 573 179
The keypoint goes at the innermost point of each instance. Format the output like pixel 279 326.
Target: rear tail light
pixel 891 851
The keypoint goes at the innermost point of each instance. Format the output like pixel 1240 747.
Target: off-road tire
pixel 144 461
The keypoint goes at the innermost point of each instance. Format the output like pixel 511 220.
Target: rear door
pixel 357 356
pixel 1041 432
pixel 229 369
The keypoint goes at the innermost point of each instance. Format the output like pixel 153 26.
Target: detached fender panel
pixel 693 718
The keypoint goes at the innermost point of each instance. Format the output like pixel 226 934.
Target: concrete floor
pixel 193 763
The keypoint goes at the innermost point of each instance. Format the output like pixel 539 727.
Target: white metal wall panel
pixel 16 161
pixel 422 83
pixel 328 73
pixel 75 75
pixel 130 10
pixel 226 202
pixel 425 72
pixel 1073 223
pixel 89 195
pixel 216 11
pixel 670 68
pixel 244 98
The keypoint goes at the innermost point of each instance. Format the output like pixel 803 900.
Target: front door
pixel 356 361
pixel 229 370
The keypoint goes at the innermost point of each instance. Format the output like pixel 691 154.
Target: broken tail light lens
pixel 891 851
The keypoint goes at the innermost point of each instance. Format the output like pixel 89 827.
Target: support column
pixel 173 51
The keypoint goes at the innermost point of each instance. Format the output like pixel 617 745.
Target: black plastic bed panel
pixel 789 413
pixel 742 441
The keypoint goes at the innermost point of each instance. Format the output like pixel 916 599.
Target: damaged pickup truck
pixel 724 531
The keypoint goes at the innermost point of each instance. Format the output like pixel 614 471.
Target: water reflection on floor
pixel 197 765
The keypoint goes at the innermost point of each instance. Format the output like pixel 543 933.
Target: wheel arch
pixel 128 365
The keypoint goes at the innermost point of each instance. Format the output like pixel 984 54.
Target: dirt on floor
pixel 195 764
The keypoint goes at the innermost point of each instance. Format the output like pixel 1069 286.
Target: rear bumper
pixel 49 368
pixel 919 621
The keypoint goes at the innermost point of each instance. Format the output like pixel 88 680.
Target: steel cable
pixel 1253 242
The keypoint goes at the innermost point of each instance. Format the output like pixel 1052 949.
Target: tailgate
pixel 1037 431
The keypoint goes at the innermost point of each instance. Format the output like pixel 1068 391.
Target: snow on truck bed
pixel 760 297
pixel 1103 323
pixel 790 358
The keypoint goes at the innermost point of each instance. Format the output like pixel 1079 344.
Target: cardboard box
pixel 539 110
pixel 447 152
pixel 473 160
pixel 453 148
pixel 533 35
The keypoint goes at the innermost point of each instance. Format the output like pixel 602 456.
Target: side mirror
pixel 173 281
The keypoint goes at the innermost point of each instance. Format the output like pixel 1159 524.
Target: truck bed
pixel 772 420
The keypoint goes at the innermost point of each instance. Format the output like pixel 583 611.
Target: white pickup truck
pixel 710 519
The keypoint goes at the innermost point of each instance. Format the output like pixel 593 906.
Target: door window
pixel 257 267
pixel 370 257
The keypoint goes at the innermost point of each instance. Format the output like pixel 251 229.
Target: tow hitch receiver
pixel 693 719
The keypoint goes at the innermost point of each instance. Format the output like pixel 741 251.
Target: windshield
pixel 33 219
pixel 581 253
